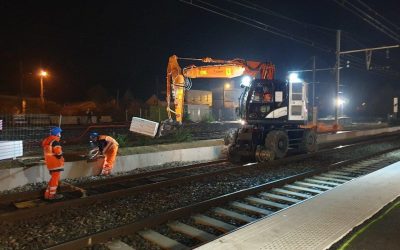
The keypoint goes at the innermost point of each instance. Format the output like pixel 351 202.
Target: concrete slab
pixel 14 177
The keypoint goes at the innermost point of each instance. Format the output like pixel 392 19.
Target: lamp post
pixel 42 75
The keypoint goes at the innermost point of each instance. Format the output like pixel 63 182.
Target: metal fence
pixel 30 128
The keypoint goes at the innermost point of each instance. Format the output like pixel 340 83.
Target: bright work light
pixel 294 78
pixel 246 80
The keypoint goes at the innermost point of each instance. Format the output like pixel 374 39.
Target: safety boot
pixel 55 197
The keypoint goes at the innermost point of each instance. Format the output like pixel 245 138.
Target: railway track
pixel 135 206
pixel 24 205
pixel 196 224
pixel 30 204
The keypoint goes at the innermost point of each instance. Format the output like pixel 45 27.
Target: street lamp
pixel 340 103
pixel 42 74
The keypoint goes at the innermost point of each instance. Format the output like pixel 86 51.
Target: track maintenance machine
pixel 273 112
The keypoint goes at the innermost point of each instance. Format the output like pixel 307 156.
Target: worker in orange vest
pixel 54 159
pixel 108 146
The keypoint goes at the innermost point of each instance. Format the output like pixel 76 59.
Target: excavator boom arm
pixel 216 68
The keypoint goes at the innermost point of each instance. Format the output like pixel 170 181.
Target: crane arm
pixel 216 68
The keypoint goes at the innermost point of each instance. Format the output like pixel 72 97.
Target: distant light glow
pixel 227 86
pixel 242 122
pixel 43 73
pixel 294 78
pixel 340 101
pixel 246 80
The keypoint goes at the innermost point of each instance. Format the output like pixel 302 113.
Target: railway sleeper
pixel 234 215
pixel 341 173
pixel 292 193
pixel 279 197
pixel 339 177
pixel 362 168
pixel 264 202
pixel 302 183
pixel 328 183
pixel 250 209
pixel 305 189
pixel 190 231
pixel 325 178
pixel 354 171
pixel 161 240
pixel 211 222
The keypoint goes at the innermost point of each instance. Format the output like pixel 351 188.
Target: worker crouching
pixel 54 159
pixel 108 146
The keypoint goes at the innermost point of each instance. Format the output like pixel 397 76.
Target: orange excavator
pixel 177 78
pixel 273 112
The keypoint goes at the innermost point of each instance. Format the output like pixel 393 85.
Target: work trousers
pixel 51 189
pixel 109 160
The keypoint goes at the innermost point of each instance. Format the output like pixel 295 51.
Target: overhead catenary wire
pixel 259 8
pixel 377 14
pixel 367 18
pixel 255 23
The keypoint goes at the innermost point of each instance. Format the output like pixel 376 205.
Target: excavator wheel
pixel 264 155
pixel 309 142
pixel 278 142
pixel 231 136
pixel 233 155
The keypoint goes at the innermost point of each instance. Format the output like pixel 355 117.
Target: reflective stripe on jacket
pixel 53 152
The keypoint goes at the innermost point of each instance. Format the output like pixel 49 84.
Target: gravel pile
pixel 75 222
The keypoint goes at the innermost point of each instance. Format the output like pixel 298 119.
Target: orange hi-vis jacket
pixel 105 143
pixel 53 153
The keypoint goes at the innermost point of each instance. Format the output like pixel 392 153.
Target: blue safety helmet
pixel 55 131
pixel 94 135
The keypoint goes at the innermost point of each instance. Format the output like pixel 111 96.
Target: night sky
pixel 124 45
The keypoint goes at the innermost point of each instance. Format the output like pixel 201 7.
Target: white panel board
pixel 10 149
pixel 143 126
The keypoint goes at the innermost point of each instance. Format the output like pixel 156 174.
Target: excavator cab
pixel 264 100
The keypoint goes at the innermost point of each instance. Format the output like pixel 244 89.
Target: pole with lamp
pixel 43 74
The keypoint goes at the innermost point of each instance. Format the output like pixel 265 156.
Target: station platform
pixel 338 218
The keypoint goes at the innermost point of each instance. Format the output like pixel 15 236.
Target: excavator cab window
pixel 261 102
pixel 267 95
pixel 261 98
